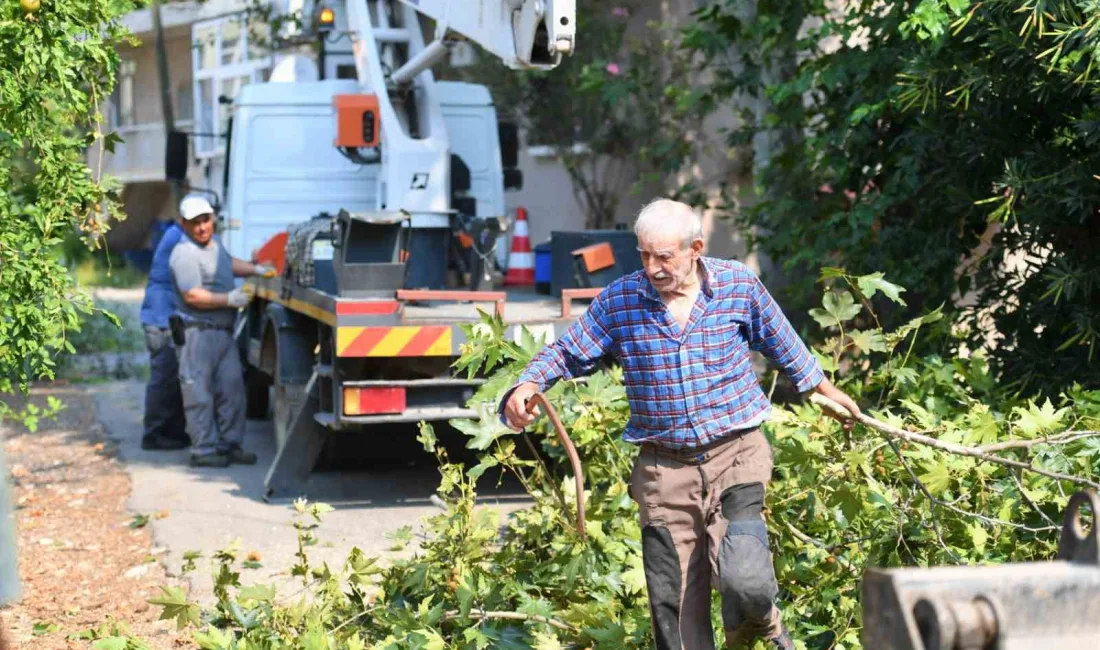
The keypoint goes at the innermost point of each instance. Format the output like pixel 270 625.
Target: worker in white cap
pixel 211 378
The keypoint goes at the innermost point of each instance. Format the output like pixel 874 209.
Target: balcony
pixel 140 156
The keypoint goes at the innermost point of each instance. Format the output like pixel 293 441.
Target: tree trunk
pixel 165 93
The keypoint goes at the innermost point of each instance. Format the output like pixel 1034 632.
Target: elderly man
pixel 164 421
pixel 211 378
pixel 682 329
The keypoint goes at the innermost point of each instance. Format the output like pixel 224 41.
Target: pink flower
pixel 620 12
pixel 613 68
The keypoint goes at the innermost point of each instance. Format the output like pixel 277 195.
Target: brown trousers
pixel 703 526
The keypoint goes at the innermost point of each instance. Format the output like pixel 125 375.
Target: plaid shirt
pixel 684 390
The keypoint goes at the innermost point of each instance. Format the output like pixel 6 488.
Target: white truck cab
pixel 284 169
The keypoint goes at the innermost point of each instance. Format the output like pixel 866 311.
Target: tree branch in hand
pixel 950 447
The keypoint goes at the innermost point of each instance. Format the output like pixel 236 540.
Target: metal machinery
pixel 1035 606
pixel 355 190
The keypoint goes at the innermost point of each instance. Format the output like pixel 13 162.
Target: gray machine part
pixel 1034 606
pixel 299 438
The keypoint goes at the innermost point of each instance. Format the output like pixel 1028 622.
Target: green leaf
pixel 936 478
pixel 850 502
pixel 828 363
pixel 982 426
pixel 634 580
pixel 546 641
pixel 426 437
pixel 475 636
pixel 175 605
pixel 868 340
pixel 856 459
pixel 486 463
pixel 110 140
pixel 213 639
pixel 111 643
pixel 870 284
pixel 400 538
pixel 978 536
pixel 43 628
pixel 839 307
pixel 1035 420
pixel 315 638
pixel 958 6
pixel 432 640
pixel 483 431
pixel 319 509
pixel 262 593
pixel 904 376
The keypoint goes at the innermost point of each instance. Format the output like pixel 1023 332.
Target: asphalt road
pixel 381 485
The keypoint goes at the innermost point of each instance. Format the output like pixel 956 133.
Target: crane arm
pixel 521 33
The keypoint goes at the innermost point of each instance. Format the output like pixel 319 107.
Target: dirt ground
pixel 83 560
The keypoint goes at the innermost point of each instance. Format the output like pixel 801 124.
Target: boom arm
pixel 394 64
pixel 521 33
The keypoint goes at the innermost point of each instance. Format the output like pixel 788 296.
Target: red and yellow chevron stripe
pixel 401 341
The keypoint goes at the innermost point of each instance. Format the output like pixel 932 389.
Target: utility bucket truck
pixel 357 190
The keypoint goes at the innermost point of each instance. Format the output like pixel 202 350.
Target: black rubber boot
pixel 157 442
pixel 783 641
pixel 210 460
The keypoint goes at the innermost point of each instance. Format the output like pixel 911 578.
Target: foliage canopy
pixel 953 145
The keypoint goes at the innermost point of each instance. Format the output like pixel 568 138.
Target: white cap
pixel 193 206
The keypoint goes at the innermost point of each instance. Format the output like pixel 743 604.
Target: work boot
pixel 240 456
pixel 157 442
pixel 783 641
pixel 210 460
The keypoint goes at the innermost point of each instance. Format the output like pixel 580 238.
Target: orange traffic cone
pixel 521 261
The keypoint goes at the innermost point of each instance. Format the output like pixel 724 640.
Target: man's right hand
pixel 515 411
pixel 238 298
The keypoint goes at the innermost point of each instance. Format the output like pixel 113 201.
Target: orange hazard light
pixel 357 120
pixel 374 401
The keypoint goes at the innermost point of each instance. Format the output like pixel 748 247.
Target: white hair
pixel 668 217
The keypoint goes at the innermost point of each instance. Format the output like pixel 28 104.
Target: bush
pixel 838 503
pixel 951 144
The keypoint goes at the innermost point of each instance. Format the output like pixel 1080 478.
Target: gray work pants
pixel 163 404
pixel 213 390
pixel 703 525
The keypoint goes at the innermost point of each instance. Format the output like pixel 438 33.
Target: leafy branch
pixel 949 447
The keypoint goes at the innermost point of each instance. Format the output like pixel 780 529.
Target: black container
pixel 624 245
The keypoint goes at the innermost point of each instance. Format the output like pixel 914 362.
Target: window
pixel 122 99
pixel 224 59
pixel 185 104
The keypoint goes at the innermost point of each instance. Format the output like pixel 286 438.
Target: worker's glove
pixel 265 270
pixel 238 298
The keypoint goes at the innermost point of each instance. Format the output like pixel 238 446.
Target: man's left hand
pixel 827 389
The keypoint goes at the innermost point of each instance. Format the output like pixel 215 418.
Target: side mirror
pixel 513 179
pixel 176 156
pixel 508 132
